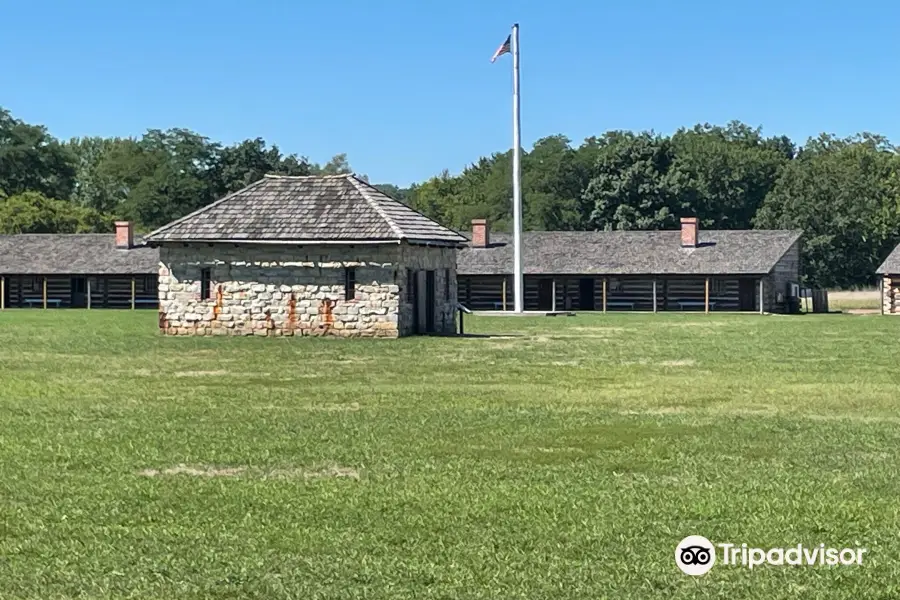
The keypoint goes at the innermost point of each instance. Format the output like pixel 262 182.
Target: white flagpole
pixel 518 290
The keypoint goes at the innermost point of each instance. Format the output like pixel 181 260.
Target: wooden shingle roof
pixel 306 209
pixel 74 254
pixel 732 252
pixel 891 265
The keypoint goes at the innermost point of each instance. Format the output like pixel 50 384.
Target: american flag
pixel 503 49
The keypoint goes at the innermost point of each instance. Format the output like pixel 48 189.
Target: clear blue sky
pixel 406 89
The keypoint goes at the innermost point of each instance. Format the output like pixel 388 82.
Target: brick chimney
pixel 481 233
pixel 124 234
pixel 689 227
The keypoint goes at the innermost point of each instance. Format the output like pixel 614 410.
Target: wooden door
pixel 747 294
pixel 78 295
pixel 545 294
pixel 586 293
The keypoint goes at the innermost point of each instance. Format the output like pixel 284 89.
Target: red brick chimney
pixel 689 227
pixel 124 234
pixel 481 233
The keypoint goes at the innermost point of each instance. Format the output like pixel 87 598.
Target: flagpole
pixel 517 180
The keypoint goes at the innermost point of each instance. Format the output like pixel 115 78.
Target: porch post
pixel 132 293
pixel 553 292
pixel 654 295
pixel 761 288
pixel 706 296
pixel 45 292
pixel 504 292
pixel 604 294
pixel 2 292
pixel 89 293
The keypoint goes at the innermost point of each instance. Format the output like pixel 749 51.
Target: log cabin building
pixel 889 275
pixel 90 270
pixel 686 270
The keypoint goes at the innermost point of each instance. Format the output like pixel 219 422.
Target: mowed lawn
pixel 557 458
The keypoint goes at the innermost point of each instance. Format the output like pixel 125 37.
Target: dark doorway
pixel 545 294
pixel 429 301
pixel 747 294
pixel 586 294
pixel 78 298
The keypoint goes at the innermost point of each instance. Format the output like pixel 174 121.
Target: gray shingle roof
pixel 891 265
pixel 336 209
pixel 74 254
pixel 630 253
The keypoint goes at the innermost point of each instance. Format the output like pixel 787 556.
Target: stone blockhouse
pixel 307 255
pixel 889 274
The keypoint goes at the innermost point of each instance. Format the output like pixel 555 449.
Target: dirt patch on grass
pixel 684 362
pixel 330 471
pixel 215 373
pixel 598 329
pixel 352 407
pixel 702 321
pixel 193 471
pixel 659 410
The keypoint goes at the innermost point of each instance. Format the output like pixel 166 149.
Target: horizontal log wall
pixel 105 291
pixel 890 288
pixel 484 292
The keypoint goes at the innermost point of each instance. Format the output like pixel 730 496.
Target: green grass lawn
pixel 561 458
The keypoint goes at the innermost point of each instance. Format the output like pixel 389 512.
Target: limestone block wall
pixel 417 261
pixel 279 290
pixel 890 294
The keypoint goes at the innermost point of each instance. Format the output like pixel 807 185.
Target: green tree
pixel 723 174
pixel 631 187
pixel 33 160
pixel 248 161
pixel 94 186
pixel 553 181
pixel 338 165
pixel 32 212
pixel 165 175
pixel 843 194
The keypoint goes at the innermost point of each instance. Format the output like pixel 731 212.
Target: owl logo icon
pixel 695 555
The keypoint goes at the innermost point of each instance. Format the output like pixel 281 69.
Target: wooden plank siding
pixel 484 292
pixel 786 272
pixel 107 291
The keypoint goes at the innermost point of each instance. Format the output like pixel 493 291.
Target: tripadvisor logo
pixel 696 555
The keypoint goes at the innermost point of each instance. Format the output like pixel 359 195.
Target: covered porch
pixel 78 291
pixel 618 293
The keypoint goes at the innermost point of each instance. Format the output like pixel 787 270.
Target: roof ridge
pixel 202 209
pixel 361 188
pixel 338 176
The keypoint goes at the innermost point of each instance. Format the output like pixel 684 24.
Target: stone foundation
pixel 293 290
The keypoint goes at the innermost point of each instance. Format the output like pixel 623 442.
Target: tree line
pixel 843 192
